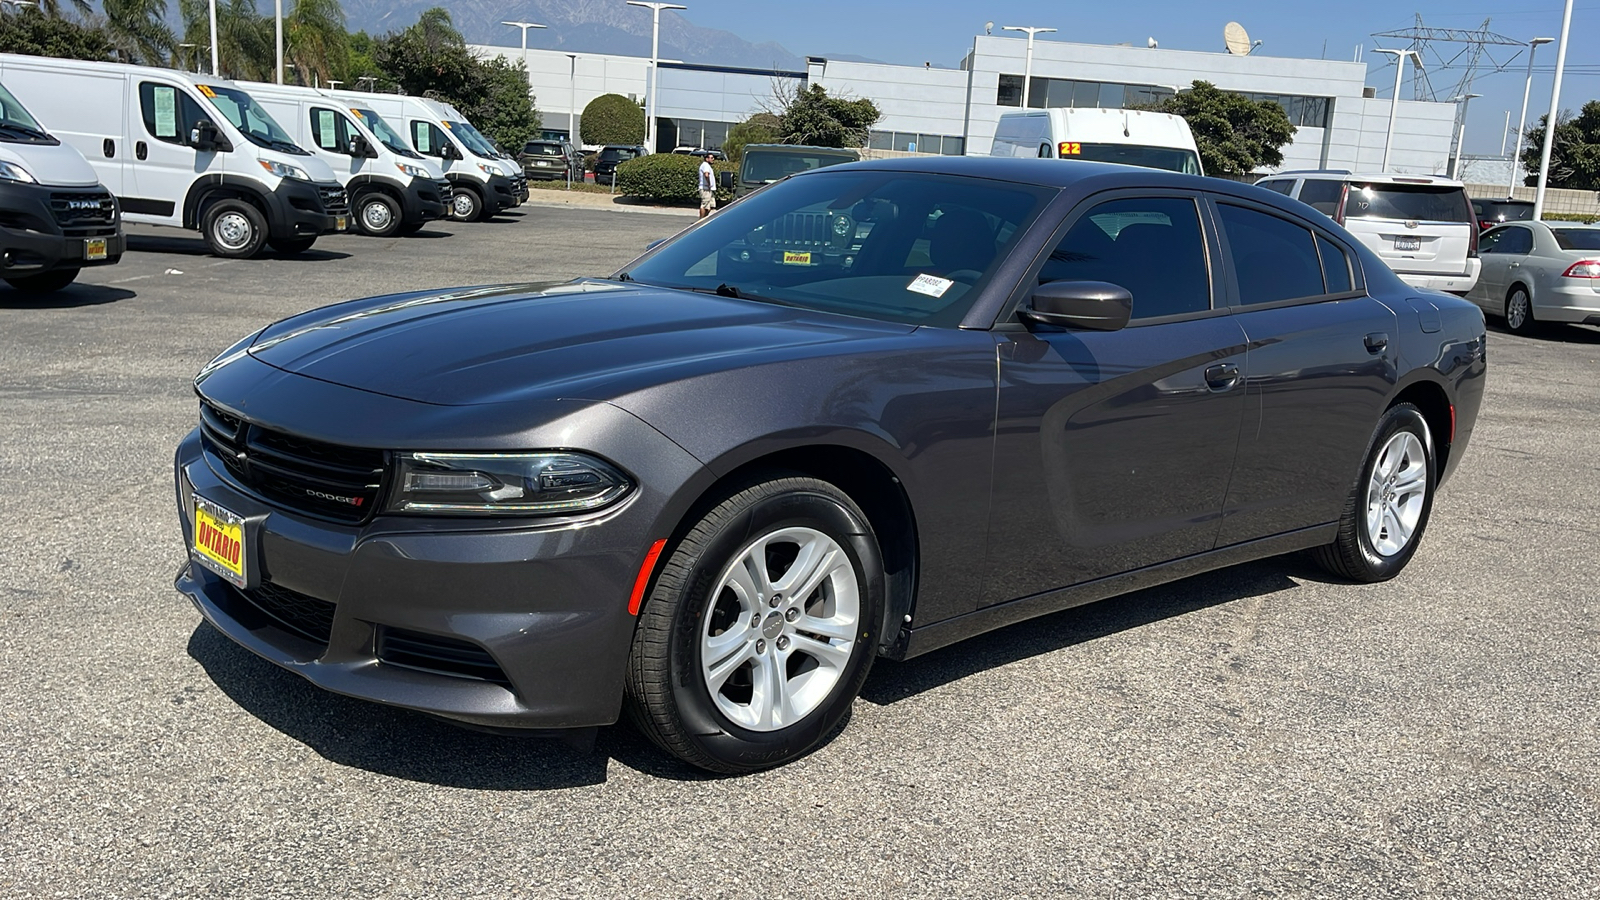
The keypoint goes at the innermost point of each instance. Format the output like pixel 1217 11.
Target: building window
pixel 1010 91
pixel 943 144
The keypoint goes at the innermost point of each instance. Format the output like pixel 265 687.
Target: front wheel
pixel 378 215
pixel 761 628
pixel 234 229
pixel 465 205
pixel 1388 508
pixel 1519 312
pixel 44 282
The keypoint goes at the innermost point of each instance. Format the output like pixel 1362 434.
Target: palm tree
pixel 53 7
pixel 245 42
pixel 317 45
pixel 138 30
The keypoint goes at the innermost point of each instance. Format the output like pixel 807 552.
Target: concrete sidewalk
pixel 613 202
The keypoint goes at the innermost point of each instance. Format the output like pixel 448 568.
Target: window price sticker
pixel 931 285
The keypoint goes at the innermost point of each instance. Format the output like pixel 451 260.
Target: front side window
pixel 1153 247
pixel 1517 240
pixel 895 246
pixel 169 113
pixel 1490 241
pixel 331 131
pixel 428 138
pixel 1273 259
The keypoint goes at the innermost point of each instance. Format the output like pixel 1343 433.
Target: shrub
pixel 612 119
pixel 588 161
pixel 761 128
pixel 667 177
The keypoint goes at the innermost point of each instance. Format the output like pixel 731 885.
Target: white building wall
pixel 1421 136
pixel 911 98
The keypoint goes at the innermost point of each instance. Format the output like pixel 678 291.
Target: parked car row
pixel 248 165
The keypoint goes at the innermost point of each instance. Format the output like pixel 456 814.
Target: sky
pixel 940 31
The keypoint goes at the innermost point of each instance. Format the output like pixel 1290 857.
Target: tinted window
pixel 896 246
pixel 1169 158
pixel 618 153
pixel 769 165
pixel 1576 238
pixel 427 138
pixel 1516 240
pixel 1490 241
pixel 1421 202
pixel 1281 186
pixel 1504 212
pixel 1335 266
pixel 331 131
pixel 1273 259
pixel 1151 246
pixel 168 113
pixel 543 150
pixel 1322 195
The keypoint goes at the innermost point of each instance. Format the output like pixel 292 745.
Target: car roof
pixel 1373 178
pixel 1057 173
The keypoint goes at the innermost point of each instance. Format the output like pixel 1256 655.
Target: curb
pixel 601 202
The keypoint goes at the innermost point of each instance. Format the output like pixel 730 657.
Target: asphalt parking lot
pixel 1261 731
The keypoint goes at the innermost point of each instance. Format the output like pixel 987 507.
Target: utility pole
pixel 1522 120
pixel 1555 111
pixel 1394 101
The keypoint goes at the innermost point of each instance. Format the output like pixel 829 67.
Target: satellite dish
pixel 988 28
pixel 1236 39
pixel 1151 43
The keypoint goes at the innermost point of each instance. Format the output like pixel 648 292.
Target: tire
pixel 702 699
pixel 293 246
pixel 465 205
pixel 378 215
pixel 1519 312
pixel 44 282
pixel 1398 476
pixel 234 229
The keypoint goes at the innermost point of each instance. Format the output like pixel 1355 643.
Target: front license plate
pixel 1408 245
pixel 218 540
pixel 340 223
pixel 796 259
pixel 94 248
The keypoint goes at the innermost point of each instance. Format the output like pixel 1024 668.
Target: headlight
pixel 504 484
pixel 284 170
pixel 411 171
pixel 489 170
pixel 10 171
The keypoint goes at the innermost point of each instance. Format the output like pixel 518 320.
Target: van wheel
pixel 293 246
pixel 465 206
pixel 378 215
pixel 234 229
pixel 44 282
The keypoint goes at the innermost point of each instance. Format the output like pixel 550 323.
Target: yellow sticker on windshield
pixel 204 89
pixel 447 125
pixel 357 114
pixel 796 259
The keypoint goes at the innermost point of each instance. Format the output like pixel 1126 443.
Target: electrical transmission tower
pixel 1466 59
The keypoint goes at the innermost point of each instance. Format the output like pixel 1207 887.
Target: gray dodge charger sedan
pixel 868 411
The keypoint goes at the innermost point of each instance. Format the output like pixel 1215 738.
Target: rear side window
pixel 1419 202
pixel 1335 266
pixel 1273 259
pixel 1281 186
pixel 1151 246
pixel 331 130
pixel 1576 238
pixel 169 113
pixel 1322 196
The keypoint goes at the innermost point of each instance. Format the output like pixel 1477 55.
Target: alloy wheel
pixel 1395 493
pixel 1517 310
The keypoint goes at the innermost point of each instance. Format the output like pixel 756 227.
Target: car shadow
pixel 71 297
pixel 187 246
pixel 425 233
pixel 891 682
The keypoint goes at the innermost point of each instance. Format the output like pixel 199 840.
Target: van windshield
pixel 1416 202
pixel 475 142
pixel 245 114
pixel 385 134
pixel 16 124
pixel 1173 159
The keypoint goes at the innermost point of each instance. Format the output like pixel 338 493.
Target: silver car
pixel 1537 272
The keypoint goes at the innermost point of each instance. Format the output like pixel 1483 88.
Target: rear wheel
pixel 378 215
pixel 293 246
pixel 234 229
pixel 1519 311
pixel 1387 510
pixel 761 628
pixel 44 282
pixel 465 205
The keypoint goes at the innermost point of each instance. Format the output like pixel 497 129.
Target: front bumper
pixel 501 193
pixel 541 610
pixel 306 209
pixel 1458 284
pixel 425 200
pixel 42 229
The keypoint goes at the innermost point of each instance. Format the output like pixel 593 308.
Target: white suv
pixel 1421 225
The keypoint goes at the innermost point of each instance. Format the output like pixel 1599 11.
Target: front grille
pixel 333 199
pixel 326 480
pixel 433 653
pixel 300 613
pixel 799 230
pixel 84 214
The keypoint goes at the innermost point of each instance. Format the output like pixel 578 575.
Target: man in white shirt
pixel 708 187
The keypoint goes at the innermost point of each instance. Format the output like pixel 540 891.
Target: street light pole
pixel 1027 70
pixel 1394 101
pixel 1522 120
pixel 572 101
pixel 1555 110
pixel 524 26
pixel 278 22
pixel 655 61
pixel 1461 138
pixel 214 66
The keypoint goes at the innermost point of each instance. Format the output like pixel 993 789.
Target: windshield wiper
pixel 25 130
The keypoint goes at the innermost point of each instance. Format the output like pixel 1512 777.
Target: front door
pixel 1113 449
pixel 164 165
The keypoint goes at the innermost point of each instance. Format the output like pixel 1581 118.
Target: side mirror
pixel 360 148
pixel 449 151
pixel 1088 305
pixel 725 180
pixel 203 136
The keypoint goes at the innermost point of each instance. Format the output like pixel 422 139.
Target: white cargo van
pixel 1127 136
pixel 392 188
pixel 481 184
pixel 55 216
pixel 185 150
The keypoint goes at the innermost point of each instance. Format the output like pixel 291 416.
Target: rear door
pixel 1417 228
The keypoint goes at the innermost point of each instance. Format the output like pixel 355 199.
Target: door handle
pixel 108 148
pixel 1222 376
pixel 1516 265
pixel 1376 342
pixel 140 150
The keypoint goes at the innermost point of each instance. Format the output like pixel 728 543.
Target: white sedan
pixel 1535 272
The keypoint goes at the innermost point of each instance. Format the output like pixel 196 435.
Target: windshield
pixel 246 115
pixel 895 246
pixel 381 130
pixel 475 142
pixel 1585 239
pixel 617 153
pixel 17 122
pixel 1416 202
pixel 1172 159
pixel 766 166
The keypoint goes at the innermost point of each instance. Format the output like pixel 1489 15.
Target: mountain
pixel 587 26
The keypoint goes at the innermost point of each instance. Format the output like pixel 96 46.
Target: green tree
pixel 612 119
pixel 432 58
pixel 360 64
pixel 246 40
pixel 138 30
pixel 812 117
pixel 316 45
pixel 1235 135
pixel 34 33
pixel 1575 153
pixel 53 8
pixel 761 128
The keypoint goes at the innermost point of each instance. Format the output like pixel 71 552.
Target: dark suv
pixel 1490 213
pixel 605 165
pixel 551 161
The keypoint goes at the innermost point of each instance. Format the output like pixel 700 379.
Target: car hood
pixel 586 340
